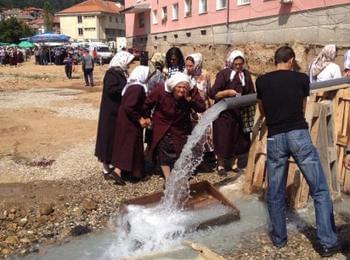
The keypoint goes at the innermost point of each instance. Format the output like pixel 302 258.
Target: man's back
pixel 282 93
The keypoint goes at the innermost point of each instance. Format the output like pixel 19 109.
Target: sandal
pixel 221 171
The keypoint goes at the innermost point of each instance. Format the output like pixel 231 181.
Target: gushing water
pixel 143 229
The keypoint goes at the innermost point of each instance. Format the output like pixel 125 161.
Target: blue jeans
pixel 297 143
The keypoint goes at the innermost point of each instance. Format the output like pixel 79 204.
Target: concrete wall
pixel 321 26
pixel 215 16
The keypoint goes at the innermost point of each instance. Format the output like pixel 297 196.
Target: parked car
pixel 103 52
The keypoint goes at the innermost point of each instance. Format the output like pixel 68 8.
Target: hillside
pixel 56 4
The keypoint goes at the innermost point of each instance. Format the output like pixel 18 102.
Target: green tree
pixel 48 16
pixel 11 30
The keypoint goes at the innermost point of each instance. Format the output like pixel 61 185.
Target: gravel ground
pixel 57 198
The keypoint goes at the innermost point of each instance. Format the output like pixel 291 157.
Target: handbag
pixel 248 116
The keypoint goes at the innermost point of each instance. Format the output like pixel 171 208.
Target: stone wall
pixel 307 32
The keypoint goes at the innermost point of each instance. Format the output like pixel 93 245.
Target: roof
pixel 91 6
pixel 137 8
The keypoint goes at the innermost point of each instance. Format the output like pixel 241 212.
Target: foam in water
pixel 142 229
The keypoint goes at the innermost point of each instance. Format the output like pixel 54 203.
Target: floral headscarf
pixel 326 56
pixel 158 58
pixel 121 59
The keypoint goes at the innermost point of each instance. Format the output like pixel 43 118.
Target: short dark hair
pixel 284 54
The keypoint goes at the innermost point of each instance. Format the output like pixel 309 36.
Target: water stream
pixel 142 229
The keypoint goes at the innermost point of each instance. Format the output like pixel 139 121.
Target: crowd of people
pixel 160 109
pixel 13 56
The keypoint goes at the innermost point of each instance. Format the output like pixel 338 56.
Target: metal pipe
pixel 250 99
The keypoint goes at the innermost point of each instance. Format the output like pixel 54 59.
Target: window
pixel 116 19
pixel 155 17
pixel 141 20
pixel 221 4
pixel 188 8
pixel 80 31
pixel 80 19
pixel 110 19
pixel 203 6
pixel 243 2
pixel 89 16
pixel 90 29
pixel 164 14
pixel 175 11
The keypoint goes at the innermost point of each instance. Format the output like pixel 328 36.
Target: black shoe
pixel 118 180
pixel 221 172
pixel 107 176
pixel 329 251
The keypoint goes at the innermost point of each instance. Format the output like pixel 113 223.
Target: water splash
pixel 142 229
pixel 177 186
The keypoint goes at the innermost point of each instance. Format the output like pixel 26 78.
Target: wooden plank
pixel 203 251
pixel 331 88
pixel 255 144
pixel 259 174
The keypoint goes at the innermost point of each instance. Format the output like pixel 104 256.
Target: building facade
pixel 95 20
pixel 168 22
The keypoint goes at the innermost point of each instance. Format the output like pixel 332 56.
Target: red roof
pixel 90 6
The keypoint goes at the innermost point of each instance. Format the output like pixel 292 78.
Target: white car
pixel 103 53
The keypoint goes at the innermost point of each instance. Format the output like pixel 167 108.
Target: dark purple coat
pixel 128 144
pixel 171 115
pixel 113 84
pixel 228 137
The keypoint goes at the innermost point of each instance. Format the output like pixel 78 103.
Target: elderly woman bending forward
pixel 172 103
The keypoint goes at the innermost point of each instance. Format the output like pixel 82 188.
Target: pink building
pixel 150 22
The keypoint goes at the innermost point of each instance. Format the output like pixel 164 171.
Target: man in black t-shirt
pixel 282 99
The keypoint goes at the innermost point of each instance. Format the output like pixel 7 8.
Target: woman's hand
pixel 230 93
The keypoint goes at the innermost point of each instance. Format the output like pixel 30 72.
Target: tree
pixel 11 30
pixel 48 16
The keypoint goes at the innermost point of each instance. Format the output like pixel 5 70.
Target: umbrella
pixel 49 37
pixel 26 44
pixel 3 44
pixel 13 45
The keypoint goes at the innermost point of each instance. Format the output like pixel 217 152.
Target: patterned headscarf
pixel 137 77
pixel 347 60
pixel 198 63
pixel 121 59
pixel 232 56
pixel 158 58
pixel 326 56
pixel 177 78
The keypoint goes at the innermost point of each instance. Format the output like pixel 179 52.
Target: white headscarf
pixel 347 60
pixel 175 79
pixel 232 56
pixel 121 59
pixel 229 62
pixel 137 77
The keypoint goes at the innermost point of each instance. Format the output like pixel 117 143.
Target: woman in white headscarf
pixel 201 79
pixel 347 64
pixel 113 84
pixel 228 136
pixel 323 67
pixel 172 103
pixel 128 143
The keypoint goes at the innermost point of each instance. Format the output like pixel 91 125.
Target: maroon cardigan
pixel 171 115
